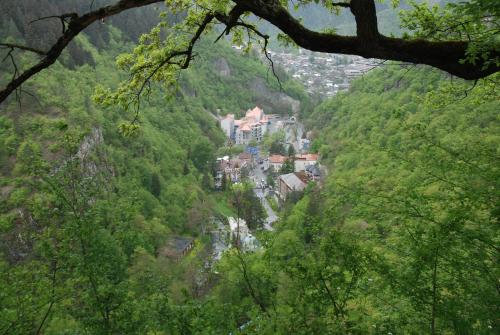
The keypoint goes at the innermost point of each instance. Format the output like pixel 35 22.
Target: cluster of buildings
pixel 306 168
pixel 233 168
pixel 252 127
pixel 300 161
pixel 322 73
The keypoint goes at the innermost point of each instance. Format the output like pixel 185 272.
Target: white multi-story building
pixel 252 127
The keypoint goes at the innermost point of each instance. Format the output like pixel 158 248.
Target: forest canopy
pixel 101 233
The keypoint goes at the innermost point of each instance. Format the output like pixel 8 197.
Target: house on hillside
pixel 276 162
pixel 287 183
pixel 302 161
pixel 177 247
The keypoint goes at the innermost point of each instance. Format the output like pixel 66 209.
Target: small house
pixel 276 162
pixel 177 247
pixel 290 182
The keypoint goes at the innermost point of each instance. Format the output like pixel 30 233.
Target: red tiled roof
pixel 276 159
pixel 245 127
pixel 307 157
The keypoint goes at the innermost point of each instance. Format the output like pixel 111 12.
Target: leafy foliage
pixel 476 21
pixel 85 211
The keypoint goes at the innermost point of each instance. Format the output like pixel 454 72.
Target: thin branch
pixel 52 297
pixel 268 56
pixel 63 18
pixel 467 91
pixel 23 47
pixel 232 21
pixel 75 25
pixel 188 56
pixel 341 4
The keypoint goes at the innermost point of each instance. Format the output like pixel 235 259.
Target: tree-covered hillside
pixel 110 221
pixel 89 194
pixel 402 236
pixel 409 213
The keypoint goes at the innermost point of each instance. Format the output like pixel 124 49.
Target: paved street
pixel 257 177
pixel 271 216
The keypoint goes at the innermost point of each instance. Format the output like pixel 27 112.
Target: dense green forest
pixel 400 237
pixel 85 208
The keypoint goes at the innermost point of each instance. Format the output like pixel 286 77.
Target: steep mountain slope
pixel 85 210
pixel 400 237
pixel 414 183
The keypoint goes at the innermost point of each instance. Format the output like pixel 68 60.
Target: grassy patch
pixel 222 205
pixel 272 202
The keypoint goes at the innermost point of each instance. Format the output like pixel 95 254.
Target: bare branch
pixel 23 47
pixel 341 4
pixel 75 25
pixel 63 18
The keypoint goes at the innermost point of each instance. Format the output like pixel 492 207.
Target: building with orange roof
pixel 276 162
pixel 251 127
pixel 302 161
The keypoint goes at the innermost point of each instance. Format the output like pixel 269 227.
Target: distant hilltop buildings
pixel 251 127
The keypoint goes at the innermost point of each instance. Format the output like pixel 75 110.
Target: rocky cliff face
pixel 88 167
pixel 273 101
pixel 222 68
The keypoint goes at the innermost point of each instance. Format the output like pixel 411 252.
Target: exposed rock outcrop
pixel 222 68
pixel 273 101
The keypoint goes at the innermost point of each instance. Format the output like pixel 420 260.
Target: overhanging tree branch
pixel 445 55
pixel 75 25
pixel 169 59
